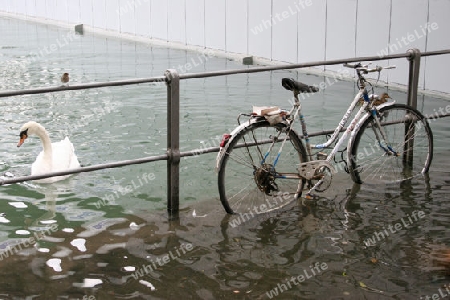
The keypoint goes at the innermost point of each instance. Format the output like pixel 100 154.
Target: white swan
pixel 59 156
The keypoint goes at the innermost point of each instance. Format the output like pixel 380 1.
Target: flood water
pixel 106 234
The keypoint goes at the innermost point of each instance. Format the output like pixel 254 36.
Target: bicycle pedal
pixel 321 156
pixel 310 196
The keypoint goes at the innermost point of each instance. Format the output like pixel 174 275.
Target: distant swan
pixel 59 156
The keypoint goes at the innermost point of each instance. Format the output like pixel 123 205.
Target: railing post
pixel 173 142
pixel 414 72
pixel 413 86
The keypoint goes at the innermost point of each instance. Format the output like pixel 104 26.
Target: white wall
pixel 177 21
pixel 215 24
pixel 311 39
pixel 294 31
pixel 259 42
pixel 236 26
pixel 436 68
pixel 159 19
pixel 195 23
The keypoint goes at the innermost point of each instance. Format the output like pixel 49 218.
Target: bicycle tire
pixel 370 164
pixel 241 165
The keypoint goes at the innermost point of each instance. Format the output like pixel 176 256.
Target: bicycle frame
pixel 337 131
pixel 355 123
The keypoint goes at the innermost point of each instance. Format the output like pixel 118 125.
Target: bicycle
pixel 263 163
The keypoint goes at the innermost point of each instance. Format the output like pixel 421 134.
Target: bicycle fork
pixel 381 139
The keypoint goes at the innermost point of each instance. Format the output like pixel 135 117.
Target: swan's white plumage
pixel 58 156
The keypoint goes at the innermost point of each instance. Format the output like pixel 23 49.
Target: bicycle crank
pixel 319 174
pixel 314 170
pixel 324 176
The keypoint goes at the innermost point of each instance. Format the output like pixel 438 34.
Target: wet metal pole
pixel 414 72
pixel 173 142
pixel 413 85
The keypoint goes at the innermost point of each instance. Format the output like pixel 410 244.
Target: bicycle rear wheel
pixel 410 138
pixel 249 185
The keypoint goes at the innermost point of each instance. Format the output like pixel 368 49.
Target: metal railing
pixel 172 79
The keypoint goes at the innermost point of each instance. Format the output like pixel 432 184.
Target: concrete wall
pixel 280 30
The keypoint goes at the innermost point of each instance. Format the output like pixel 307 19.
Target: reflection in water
pixel 253 258
pixel 55 264
pixel 79 244
pixel 88 283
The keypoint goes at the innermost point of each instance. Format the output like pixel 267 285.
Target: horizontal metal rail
pixel 437 52
pixel 85 169
pixel 82 86
pixel 292 66
pixel 434 117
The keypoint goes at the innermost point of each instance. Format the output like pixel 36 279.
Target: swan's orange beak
pixel 23 137
pixel 21 142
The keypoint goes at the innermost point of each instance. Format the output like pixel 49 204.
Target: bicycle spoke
pixel 242 160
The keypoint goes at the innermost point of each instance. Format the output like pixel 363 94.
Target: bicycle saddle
pixel 292 85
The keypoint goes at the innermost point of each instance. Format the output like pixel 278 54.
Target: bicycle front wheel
pixel 253 179
pixel 406 152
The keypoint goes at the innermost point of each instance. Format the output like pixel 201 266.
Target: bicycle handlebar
pixel 352 66
pixel 365 68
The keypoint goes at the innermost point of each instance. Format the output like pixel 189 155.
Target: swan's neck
pixel 46 143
